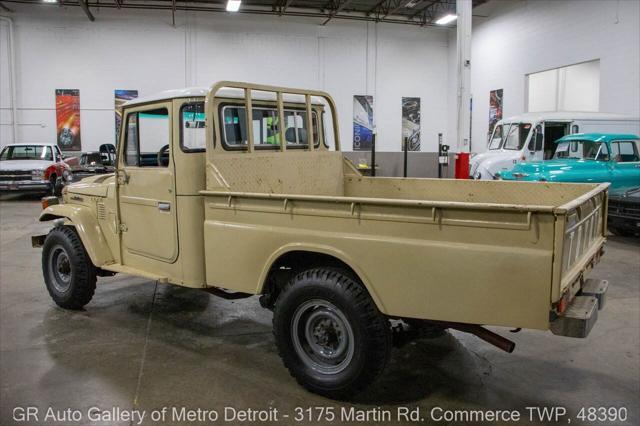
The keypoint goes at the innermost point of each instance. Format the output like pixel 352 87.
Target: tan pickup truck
pixel 234 190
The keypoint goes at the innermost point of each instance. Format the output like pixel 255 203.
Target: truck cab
pixel 531 137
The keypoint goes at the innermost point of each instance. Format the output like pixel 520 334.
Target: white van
pixel 531 137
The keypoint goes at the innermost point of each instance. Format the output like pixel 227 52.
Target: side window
pixel 535 144
pixel 58 153
pixel 575 129
pixel 131 148
pixel 147 138
pixel 192 127
pixel 625 151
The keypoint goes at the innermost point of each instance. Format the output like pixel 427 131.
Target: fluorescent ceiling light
pixel 446 19
pixel 50 1
pixel 233 5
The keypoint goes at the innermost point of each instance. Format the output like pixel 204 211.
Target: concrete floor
pixel 142 346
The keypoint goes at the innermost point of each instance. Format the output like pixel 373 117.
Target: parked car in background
pixel 588 157
pixel 624 212
pixel 531 137
pixel 33 167
pixel 95 162
pixel 594 158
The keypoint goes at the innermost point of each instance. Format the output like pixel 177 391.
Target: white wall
pixel 59 48
pixel 526 36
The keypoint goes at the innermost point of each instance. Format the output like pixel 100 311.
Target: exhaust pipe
pixel 480 332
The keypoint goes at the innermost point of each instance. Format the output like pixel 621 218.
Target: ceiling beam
pixel 117 2
pixel 400 5
pixel 286 5
pixel 85 8
pixel 423 9
pixel 335 12
pixel 376 7
pixel 173 13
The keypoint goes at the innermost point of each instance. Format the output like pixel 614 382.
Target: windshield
pixel 27 152
pixel 582 150
pixel 496 138
pixel 516 136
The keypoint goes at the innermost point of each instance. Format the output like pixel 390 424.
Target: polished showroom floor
pixel 143 346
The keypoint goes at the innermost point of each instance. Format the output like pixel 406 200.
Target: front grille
pixel 15 172
pixel 624 208
pixel 13 175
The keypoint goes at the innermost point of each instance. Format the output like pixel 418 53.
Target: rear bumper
pixel 582 313
pixel 25 185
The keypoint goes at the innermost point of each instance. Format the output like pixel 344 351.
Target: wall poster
pixel 122 96
pixel 362 122
pixel 495 108
pixel 411 123
pixel 68 119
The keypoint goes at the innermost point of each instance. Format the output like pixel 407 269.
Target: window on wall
pixel 147 138
pixel 570 88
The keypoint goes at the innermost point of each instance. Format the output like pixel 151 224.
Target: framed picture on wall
pixel 495 108
pixel 411 123
pixel 68 119
pixel 363 123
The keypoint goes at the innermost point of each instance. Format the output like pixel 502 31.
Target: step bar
pixel 582 313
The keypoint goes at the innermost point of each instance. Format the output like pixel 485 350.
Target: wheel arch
pixel 309 256
pixel 87 227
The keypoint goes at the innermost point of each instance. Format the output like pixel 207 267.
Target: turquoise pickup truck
pixel 587 157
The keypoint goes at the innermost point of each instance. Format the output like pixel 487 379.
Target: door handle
pixel 164 207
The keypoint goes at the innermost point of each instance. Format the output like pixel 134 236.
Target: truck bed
pixel 500 252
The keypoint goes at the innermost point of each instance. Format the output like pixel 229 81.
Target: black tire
pixel 336 307
pixel 52 186
pixel 69 275
pixel 620 231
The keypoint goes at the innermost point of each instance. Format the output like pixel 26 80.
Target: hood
pixel 627 193
pixel 553 169
pixel 24 164
pixel 493 162
pixel 94 186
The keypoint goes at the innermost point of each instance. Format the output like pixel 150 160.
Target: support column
pixel 463 113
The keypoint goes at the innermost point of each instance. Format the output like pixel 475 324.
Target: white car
pixel 33 167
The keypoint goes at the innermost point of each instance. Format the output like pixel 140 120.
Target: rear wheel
pixel 330 334
pixel 69 275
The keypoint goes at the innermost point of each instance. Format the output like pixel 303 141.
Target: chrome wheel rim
pixel 60 269
pixel 322 336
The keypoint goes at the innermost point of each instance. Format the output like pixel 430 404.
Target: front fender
pixel 87 227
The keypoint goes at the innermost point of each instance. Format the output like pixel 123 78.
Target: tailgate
pixel 580 236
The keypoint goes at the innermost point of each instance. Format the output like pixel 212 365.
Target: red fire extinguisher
pixel 462 165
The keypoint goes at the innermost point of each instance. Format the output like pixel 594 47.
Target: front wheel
pixel 69 275
pixel 330 334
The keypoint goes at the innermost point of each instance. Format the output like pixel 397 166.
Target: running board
pixel 116 267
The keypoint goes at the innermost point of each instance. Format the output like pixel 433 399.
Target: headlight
pixel 66 174
pixel 37 174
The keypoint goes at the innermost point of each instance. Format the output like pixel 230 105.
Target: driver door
pixel 146 187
